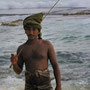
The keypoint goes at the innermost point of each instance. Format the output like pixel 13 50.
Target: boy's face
pixel 31 33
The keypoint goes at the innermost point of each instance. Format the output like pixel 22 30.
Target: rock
pixel 12 23
pixel 78 13
pixel 8 24
pixel 17 21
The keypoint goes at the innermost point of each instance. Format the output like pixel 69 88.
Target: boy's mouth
pixel 31 36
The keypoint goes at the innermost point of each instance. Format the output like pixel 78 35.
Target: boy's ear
pixel 38 32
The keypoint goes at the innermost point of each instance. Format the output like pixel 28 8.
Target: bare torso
pixel 35 56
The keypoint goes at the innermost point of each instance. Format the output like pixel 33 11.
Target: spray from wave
pixel 22 4
pixel 12 83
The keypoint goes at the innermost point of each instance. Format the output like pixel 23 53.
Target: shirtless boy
pixel 35 53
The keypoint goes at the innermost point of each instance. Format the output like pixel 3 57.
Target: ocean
pixel 67 27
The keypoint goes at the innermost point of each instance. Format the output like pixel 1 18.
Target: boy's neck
pixel 32 41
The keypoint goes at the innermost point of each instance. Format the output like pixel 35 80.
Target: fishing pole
pixel 43 19
pixel 17 55
pixel 50 9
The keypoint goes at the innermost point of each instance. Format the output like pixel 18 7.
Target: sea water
pixel 13 4
pixel 70 36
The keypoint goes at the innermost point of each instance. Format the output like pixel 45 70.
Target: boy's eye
pixel 26 28
pixel 30 29
pixel 34 29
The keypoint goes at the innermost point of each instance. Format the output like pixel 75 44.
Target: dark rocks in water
pixel 78 13
pixel 12 23
pixel 17 21
pixel 8 24
pixel 71 11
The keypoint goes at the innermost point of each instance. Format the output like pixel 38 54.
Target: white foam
pixel 13 4
pixel 12 83
pixel 9 4
pixel 76 3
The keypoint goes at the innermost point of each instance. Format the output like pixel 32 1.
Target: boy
pixel 35 53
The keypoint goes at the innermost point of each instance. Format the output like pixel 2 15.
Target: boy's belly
pixel 34 65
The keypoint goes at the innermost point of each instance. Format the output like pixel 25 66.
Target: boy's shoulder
pixel 46 42
pixel 21 46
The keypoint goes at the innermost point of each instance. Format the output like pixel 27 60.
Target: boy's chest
pixel 33 53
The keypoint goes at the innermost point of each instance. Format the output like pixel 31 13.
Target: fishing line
pixel 50 9
pixel 43 19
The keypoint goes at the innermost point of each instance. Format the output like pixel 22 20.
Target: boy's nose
pixel 31 31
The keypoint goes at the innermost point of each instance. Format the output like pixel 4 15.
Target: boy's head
pixel 33 21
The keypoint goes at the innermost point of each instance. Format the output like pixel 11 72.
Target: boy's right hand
pixel 14 59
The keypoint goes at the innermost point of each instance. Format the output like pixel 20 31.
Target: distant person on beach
pixel 35 53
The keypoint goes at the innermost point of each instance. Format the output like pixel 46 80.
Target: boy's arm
pixel 17 62
pixel 14 60
pixel 54 63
